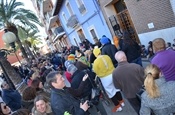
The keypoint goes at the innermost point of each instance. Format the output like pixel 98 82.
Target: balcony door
pixel 81 35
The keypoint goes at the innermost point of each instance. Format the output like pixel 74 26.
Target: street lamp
pixel 10 38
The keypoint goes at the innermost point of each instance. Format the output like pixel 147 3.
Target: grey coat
pixel 163 105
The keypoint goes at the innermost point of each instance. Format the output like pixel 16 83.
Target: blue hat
pixel 104 40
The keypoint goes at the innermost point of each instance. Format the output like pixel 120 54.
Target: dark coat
pixel 77 78
pixel 28 104
pixel 131 49
pixel 12 98
pixel 110 50
pixel 62 101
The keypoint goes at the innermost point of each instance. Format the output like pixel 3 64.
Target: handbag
pixel 95 93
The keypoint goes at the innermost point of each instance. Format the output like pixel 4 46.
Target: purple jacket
pixel 165 60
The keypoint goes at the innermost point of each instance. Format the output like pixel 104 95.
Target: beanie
pixel 67 63
pixel 71 57
pixel 96 52
pixel 104 40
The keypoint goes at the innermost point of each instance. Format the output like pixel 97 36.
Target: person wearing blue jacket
pixel 11 97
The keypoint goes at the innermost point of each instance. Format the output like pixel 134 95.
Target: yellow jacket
pixel 103 66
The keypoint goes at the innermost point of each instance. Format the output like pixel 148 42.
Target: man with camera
pixel 61 100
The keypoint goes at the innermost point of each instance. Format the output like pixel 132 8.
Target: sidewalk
pixel 127 109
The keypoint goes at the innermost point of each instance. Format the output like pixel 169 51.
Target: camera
pixel 89 102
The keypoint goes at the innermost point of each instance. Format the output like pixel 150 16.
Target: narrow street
pixel 127 109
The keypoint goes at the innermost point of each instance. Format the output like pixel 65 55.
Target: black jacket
pixel 110 50
pixel 62 101
pixel 77 78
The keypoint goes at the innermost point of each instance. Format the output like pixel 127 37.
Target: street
pixel 127 109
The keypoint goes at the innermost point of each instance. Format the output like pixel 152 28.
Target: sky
pixel 29 5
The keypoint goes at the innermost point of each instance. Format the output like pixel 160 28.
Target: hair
pixel 159 44
pixel 35 84
pixel 120 56
pixel 51 77
pixel 40 97
pixel 21 112
pixel 152 72
pixel 29 93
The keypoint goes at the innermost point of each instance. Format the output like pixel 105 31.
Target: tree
pixel 12 16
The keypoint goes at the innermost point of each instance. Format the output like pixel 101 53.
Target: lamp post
pixel 10 38
pixel 12 77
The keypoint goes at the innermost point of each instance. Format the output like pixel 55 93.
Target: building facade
pixel 47 11
pixel 144 19
pixel 83 19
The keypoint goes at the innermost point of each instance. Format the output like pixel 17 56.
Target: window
pixel 79 2
pixel 81 35
pixel 93 33
pixel 69 9
pixel 64 16
pixel 81 6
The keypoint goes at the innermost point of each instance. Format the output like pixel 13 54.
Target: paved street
pixel 127 109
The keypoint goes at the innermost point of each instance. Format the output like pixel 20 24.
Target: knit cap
pixel 96 52
pixel 71 57
pixel 104 40
pixel 67 63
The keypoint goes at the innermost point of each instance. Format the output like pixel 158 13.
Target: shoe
pixel 117 108
pixel 122 103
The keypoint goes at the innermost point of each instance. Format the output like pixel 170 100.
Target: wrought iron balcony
pixel 82 8
pixel 72 21
pixel 58 30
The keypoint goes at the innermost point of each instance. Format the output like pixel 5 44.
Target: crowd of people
pixel 61 83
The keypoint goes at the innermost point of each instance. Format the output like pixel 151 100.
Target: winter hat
pixel 83 60
pixel 104 40
pixel 96 52
pixel 71 57
pixel 67 63
pixel 71 68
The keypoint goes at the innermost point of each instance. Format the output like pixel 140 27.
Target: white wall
pixel 167 34
pixel 173 5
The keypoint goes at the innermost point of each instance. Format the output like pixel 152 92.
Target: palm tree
pixel 30 38
pixel 12 16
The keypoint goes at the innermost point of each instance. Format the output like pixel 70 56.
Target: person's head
pixel 158 45
pixel 71 57
pixel 21 112
pixel 152 72
pixel 37 84
pixel 104 40
pixel 29 93
pixel 120 56
pixel 96 52
pixel 40 103
pixel 4 85
pixel 55 80
pixel 4 109
pixel 71 69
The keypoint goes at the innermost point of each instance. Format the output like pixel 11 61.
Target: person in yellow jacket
pixel 103 67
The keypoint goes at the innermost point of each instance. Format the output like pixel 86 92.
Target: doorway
pixel 124 19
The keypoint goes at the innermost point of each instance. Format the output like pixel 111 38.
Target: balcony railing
pixel 59 30
pixel 72 21
pixel 82 8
